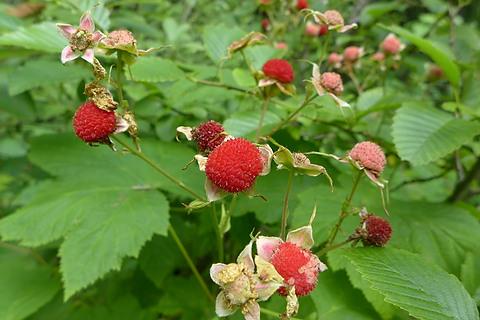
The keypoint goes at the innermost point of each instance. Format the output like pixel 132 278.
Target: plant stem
pixel 118 80
pixel 218 235
pixel 292 115
pixel 262 118
pixel 220 85
pixel 274 313
pixel 333 247
pixel 155 166
pixel 192 266
pixel 283 229
pixel 344 210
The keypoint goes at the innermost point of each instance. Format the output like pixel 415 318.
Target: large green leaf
pixel 153 69
pixel 429 48
pixel 39 73
pixel 424 290
pixel 424 134
pixel 216 40
pixel 25 285
pixel 245 124
pixel 42 37
pixel 104 206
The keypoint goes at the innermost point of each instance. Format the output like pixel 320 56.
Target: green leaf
pixel 424 134
pixel 470 275
pixel 442 59
pixel 104 205
pixel 42 37
pixel 372 12
pixel 424 290
pixel 38 73
pixel 25 285
pixel 336 299
pixel 153 69
pixel 216 40
pixel 245 124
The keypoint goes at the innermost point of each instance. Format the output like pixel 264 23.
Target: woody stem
pixel 157 168
pixel 190 263
pixel 345 209
pixel 283 228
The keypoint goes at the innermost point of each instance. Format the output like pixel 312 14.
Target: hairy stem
pixel 218 234
pixel 305 103
pixel 323 251
pixel 283 228
pixel 344 211
pixel 192 266
pixel 155 166
pixel 262 118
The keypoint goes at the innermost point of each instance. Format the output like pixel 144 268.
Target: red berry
pixel 279 69
pixel 378 231
pixel 92 124
pixel 208 135
pixel 369 155
pixel 297 266
pixel 234 165
pixel 302 4
pixel 323 30
pixel 265 24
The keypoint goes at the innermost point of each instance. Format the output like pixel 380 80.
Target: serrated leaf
pixel 43 73
pixel 104 205
pixel 25 286
pixel 335 299
pixel 153 69
pixel 441 58
pixel 42 37
pixel 216 40
pixel 424 134
pixel 424 290
pixel 245 124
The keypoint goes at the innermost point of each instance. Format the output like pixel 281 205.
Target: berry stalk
pixel 283 228
pixel 189 260
pixel 345 209
pixel 167 175
pixel 218 234
pixel 262 117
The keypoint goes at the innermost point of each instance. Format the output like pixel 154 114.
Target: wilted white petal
pixel 68 54
pixel 302 237
pixel 245 257
pixel 212 191
pixel 347 27
pixel 222 307
pixel 215 269
pixel 186 131
pixel 266 154
pixel 86 22
pixel 339 101
pixel 322 266
pixel 67 30
pixel 121 125
pixel 266 246
pixel 202 161
pixel 266 82
pixel 98 36
pixel 89 55
pixel 251 311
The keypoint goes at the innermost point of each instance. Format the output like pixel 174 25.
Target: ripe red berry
pixel 279 69
pixel 234 165
pixel 302 4
pixel 265 24
pixel 208 135
pixel 369 155
pixel 92 124
pixel 323 30
pixel 297 266
pixel 378 231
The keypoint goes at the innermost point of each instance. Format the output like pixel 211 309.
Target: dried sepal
pixel 245 258
pixel 266 153
pixel 101 96
pixel 302 237
pixel 292 304
pixel 186 131
pixel 212 191
pixel 202 161
pixel 251 39
pixel 266 246
pixel 222 307
pixel 319 85
pixel 268 279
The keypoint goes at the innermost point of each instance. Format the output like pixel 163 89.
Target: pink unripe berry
pixel 334 18
pixel 334 59
pixel 378 56
pixel 312 29
pixel 332 82
pixel 352 53
pixel 370 156
pixel 391 44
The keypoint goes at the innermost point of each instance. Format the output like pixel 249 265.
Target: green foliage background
pixel 85 231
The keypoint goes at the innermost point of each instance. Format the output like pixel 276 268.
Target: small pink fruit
pixel 332 82
pixel 370 156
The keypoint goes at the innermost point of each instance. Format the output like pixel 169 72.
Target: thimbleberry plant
pixel 260 159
